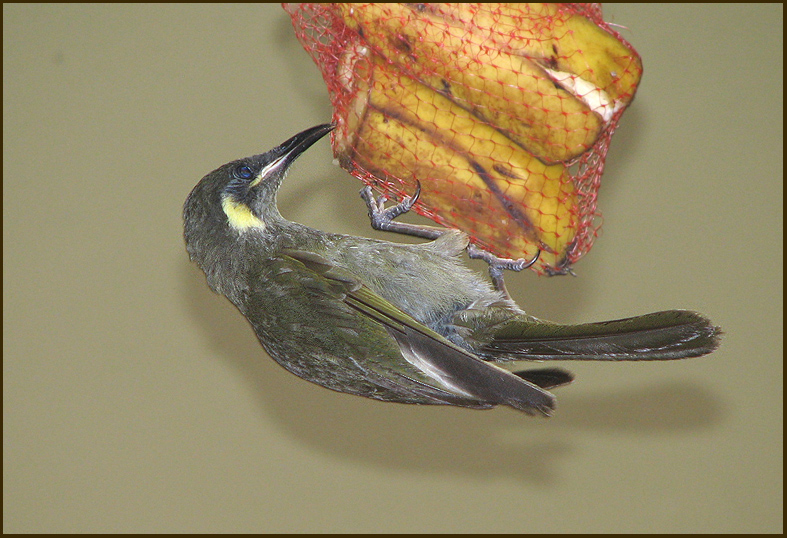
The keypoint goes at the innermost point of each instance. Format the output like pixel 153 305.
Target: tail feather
pixel 672 334
pixel 546 378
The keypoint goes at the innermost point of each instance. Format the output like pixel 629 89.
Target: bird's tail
pixel 673 334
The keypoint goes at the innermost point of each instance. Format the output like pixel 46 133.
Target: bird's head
pixel 238 200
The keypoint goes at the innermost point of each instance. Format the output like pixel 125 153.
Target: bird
pixel 406 323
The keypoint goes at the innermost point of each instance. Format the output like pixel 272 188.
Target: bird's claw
pixel 501 263
pixel 381 216
pixel 498 265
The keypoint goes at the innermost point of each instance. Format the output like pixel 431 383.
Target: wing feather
pixel 427 362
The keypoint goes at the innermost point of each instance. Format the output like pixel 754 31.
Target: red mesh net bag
pixel 502 112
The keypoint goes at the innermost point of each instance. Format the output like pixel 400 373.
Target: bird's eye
pixel 243 172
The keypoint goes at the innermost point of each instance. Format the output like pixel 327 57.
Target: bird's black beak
pixel 286 153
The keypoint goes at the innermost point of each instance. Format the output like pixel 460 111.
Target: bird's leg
pixel 382 219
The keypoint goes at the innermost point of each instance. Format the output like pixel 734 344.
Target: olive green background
pixel 134 399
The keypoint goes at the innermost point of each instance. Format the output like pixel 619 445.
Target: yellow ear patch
pixel 240 216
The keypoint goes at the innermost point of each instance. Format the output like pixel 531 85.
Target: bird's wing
pixel 672 334
pixel 429 362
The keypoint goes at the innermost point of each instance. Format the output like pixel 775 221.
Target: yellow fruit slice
pixel 529 104
pixel 472 177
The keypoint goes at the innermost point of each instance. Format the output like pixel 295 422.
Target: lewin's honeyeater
pixel 394 322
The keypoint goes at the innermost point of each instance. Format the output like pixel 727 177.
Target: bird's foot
pixel 498 265
pixel 382 218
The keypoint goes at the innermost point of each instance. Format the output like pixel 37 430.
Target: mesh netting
pixel 502 112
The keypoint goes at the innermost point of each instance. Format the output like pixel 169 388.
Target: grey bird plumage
pixel 389 321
